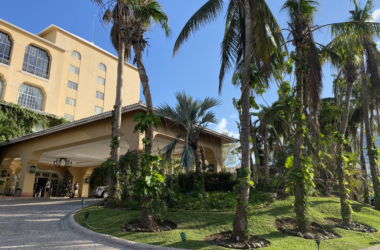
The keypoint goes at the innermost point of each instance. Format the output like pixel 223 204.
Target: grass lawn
pixel 197 225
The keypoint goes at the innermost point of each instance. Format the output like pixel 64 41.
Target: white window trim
pixel 4 65
pixel 29 74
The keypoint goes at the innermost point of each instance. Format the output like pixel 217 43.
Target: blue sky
pixel 196 68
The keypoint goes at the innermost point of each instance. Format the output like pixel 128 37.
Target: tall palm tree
pixel 309 77
pixel 130 20
pixel 363 18
pixel 194 116
pixel 349 54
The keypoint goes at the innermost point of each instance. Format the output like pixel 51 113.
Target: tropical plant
pixel 8 127
pixel 194 116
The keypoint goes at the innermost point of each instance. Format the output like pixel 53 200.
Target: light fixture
pixel 32 169
pixel 4 173
pixel 87 180
pixel 62 163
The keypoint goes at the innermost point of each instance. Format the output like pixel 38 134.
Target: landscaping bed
pixel 355 226
pixel 224 239
pixel 288 226
pixel 160 225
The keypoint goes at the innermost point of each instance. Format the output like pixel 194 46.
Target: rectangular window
pixel 69 117
pixel 73 85
pixel 101 81
pixel 99 95
pixel 98 110
pixel 70 101
pixel 74 69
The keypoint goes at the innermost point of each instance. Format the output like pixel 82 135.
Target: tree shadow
pixel 275 211
pixel 191 244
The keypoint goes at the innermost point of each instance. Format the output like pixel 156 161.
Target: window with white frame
pixel 99 95
pixel 75 54
pixel 98 110
pixel 73 85
pixel 101 81
pixel 36 61
pixel 69 117
pixel 70 101
pixel 5 48
pixel 74 69
pixel 102 67
pixel 30 97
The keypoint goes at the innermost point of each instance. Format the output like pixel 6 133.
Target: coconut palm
pixel 349 55
pixel 251 35
pixel 194 116
pixel 309 76
pixel 363 18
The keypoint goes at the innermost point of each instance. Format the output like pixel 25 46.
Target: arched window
pixel 1 87
pixel 5 48
pixel 36 61
pixel 102 67
pixel 30 97
pixel 75 54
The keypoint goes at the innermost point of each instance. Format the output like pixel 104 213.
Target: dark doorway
pixel 41 183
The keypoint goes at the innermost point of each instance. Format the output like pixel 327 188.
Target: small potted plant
pixel 18 192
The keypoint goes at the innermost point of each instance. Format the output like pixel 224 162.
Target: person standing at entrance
pixel 35 190
pixel 47 189
pixel 76 189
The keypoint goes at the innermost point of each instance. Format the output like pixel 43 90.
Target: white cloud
pixel 233 116
pixel 376 15
pixel 221 127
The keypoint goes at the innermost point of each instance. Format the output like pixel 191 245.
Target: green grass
pixel 197 225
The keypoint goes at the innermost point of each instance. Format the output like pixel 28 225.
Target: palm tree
pixel 363 18
pixel 193 116
pixel 309 77
pixel 130 20
pixel 349 53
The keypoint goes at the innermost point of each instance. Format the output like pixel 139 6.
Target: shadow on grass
pixel 275 211
pixel 374 243
pixel 272 235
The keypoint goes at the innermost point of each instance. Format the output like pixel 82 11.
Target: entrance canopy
pixel 86 143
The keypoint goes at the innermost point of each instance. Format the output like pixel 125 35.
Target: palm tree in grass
pixel 309 77
pixel 251 35
pixel 363 17
pixel 348 52
pixel 194 116
pixel 130 20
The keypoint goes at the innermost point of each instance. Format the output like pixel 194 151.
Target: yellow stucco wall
pixel 59 44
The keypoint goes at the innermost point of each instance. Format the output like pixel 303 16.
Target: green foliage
pixel 222 181
pixel 144 121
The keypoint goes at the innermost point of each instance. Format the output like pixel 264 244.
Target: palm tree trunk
pixel 147 220
pixel 299 189
pixel 266 158
pixel 368 132
pixel 344 204
pixel 362 163
pixel 198 163
pixel 116 120
pixel 241 221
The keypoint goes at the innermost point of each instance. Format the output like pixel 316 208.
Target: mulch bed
pixel 288 226
pixel 355 226
pixel 134 226
pixel 224 239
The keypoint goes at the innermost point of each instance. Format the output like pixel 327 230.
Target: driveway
pixel 36 224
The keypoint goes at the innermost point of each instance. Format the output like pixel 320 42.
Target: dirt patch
pixel 355 226
pixel 288 226
pixel 134 226
pixel 224 239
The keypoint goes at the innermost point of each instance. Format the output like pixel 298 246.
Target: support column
pixel 26 181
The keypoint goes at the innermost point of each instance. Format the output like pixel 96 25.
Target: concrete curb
pixel 71 225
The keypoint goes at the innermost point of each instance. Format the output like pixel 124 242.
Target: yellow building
pixel 65 75
pixel 60 73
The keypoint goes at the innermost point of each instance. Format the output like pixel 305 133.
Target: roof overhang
pixel 126 109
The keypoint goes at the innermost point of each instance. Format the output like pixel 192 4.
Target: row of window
pixel 36 60
pixel 98 110
pixel 32 97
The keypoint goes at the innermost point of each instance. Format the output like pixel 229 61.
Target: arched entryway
pixel 55 178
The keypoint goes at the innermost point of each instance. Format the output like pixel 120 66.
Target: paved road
pixel 36 224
